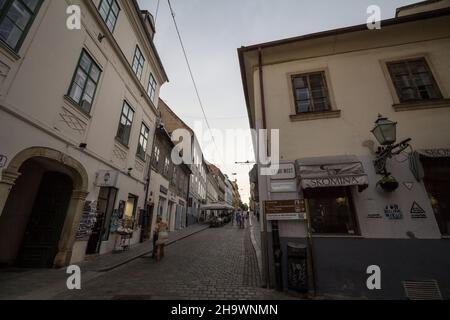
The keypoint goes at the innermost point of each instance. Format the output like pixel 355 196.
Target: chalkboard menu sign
pixel 88 220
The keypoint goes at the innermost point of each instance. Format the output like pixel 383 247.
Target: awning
pixel 326 172
pixel 416 165
pixel 217 206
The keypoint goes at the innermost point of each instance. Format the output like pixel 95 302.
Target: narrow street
pixel 217 264
pixel 213 264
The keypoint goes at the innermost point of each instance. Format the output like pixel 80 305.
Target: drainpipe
pixel 276 251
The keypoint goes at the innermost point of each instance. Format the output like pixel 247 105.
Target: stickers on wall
pixel 417 212
pixel 373 212
pixel 408 185
pixel 393 212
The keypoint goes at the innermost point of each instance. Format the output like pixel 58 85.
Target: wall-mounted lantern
pixel 385 132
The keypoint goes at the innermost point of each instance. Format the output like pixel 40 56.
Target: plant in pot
pixel 388 183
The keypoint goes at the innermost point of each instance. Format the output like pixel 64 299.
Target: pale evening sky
pixel 212 30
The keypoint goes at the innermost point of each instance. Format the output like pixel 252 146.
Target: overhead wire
pixel 191 73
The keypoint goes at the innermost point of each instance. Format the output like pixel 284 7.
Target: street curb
pixel 257 252
pixel 117 265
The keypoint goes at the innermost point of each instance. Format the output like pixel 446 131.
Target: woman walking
pixel 162 235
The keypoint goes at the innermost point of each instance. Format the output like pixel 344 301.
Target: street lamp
pixel 385 132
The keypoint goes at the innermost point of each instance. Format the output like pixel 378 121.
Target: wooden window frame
pixel 397 90
pixel 139 66
pixel 312 103
pixel 139 154
pixel 156 157
pixel 3 13
pixel 151 89
pixel 88 75
pixel 118 138
pixel 110 11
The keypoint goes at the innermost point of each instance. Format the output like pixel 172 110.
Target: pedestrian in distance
pixel 162 238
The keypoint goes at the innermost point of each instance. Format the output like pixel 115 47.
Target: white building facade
pixel 324 93
pixel 77 117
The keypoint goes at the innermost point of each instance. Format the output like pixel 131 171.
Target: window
pixel 332 211
pixel 126 121
pixel 151 90
pixel 143 141
pixel 156 156
pixel 138 63
pixel 16 17
pixel 84 83
pixel 166 167
pixel 311 92
pixel 109 10
pixel 413 80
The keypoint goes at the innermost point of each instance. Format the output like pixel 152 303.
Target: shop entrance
pixel 437 183
pixel 100 232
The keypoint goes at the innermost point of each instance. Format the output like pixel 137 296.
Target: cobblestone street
pixel 213 264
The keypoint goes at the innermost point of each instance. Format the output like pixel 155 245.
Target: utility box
pixel 297 267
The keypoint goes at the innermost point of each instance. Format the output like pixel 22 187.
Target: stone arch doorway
pixel 42 197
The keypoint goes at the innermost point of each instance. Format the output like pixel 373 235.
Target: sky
pixel 212 30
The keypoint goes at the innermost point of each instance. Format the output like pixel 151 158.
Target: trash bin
pixel 297 267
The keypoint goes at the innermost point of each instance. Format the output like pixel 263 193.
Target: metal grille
pixel 422 290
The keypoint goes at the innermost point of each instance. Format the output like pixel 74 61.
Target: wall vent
pixel 422 290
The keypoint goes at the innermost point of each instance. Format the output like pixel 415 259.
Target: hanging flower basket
pixel 388 184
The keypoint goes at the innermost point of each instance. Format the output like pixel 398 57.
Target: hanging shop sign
pixel 285 210
pixel 417 212
pixel 339 172
pixel 106 178
pixel 393 212
pixel 285 171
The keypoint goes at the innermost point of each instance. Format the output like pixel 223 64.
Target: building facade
pixel 198 181
pixel 212 191
pixel 324 92
pixel 229 198
pixel 77 114
pixel 220 179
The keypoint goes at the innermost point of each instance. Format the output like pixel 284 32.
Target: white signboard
pixel 285 171
pixel 106 178
pixel 283 186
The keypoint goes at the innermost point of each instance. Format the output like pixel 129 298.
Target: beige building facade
pixel 324 93
pixel 77 119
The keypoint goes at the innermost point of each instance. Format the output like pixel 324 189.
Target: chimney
pixel 149 22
